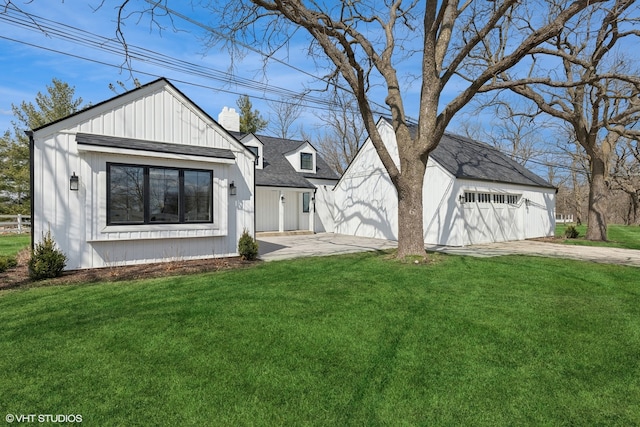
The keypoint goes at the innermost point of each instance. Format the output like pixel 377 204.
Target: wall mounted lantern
pixel 233 190
pixel 461 199
pixel 74 182
pixel 282 198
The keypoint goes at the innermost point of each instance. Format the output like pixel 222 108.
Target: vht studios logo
pixel 43 418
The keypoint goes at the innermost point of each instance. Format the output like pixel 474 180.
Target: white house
pixel 146 176
pixel 294 185
pixel 472 194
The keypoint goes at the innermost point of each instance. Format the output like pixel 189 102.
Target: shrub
pixel 571 232
pixel 7 262
pixel 46 261
pixel 247 246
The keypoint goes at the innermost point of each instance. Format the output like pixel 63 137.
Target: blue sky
pixel 35 48
pixel 31 57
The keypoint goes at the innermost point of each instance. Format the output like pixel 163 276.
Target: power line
pixel 156 3
pixel 94 41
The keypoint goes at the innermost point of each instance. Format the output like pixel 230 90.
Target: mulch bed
pixel 19 276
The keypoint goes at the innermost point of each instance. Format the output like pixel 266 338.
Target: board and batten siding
pixel 530 217
pixel 77 219
pixel 366 204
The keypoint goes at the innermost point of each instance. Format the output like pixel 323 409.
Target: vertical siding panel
pixel 78 218
pixel 139 119
pixel 169 117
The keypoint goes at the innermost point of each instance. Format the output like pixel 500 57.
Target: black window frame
pixel 310 157
pixel 147 220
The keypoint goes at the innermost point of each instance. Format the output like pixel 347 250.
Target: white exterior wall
pixel 275 214
pixel 269 208
pixel 77 219
pixel 532 216
pixel 324 205
pixel 294 158
pixel 366 204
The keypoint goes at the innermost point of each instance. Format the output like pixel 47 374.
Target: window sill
pixel 158 232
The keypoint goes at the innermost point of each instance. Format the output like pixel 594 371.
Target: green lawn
pixel 11 244
pixel 349 340
pixel 620 236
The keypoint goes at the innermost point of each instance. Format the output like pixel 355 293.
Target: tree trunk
pixel 410 209
pixel 597 216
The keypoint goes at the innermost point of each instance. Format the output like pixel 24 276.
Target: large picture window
pixel 150 195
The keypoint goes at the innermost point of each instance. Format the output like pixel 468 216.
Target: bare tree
pixel 514 131
pixel 284 114
pixel 344 132
pixel 365 44
pixel 626 177
pixel 590 90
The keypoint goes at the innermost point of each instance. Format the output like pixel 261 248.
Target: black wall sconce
pixel 74 182
pixel 461 199
pixel 233 190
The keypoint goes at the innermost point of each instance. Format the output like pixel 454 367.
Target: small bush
pixel 7 262
pixel 247 246
pixel 46 261
pixel 571 232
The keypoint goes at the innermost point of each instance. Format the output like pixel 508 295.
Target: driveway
pixel 284 247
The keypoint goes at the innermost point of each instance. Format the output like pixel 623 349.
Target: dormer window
pixel 306 161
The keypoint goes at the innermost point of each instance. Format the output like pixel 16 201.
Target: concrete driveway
pixel 321 244
pixel 284 247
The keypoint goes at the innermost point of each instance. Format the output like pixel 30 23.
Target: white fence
pixel 563 219
pixel 15 223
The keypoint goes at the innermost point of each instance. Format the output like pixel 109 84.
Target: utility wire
pixel 111 46
pixel 208 28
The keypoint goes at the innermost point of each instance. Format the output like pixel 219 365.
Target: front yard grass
pixel 620 236
pixel 346 340
pixel 11 244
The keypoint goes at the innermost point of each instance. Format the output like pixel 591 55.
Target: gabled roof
pixel 468 159
pixel 277 171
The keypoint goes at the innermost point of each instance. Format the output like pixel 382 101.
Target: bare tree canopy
pixel 284 114
pixel 626 176
pixel 582 77
pixel 343 133
pixel 380 50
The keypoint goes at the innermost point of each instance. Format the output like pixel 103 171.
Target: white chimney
pixel 229 119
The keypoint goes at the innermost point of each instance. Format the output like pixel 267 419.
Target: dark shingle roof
pixel 466 158
pixel 469 159
pixel 278 172
pixel 158 147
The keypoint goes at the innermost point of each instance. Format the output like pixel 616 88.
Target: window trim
pixel 146 196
